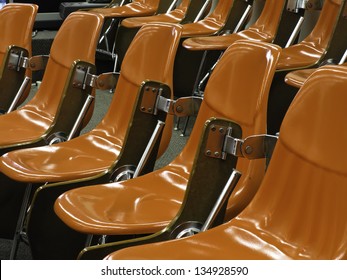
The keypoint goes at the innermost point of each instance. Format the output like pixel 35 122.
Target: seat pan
pixel 297 78
pixel 129 10
pixel 299 55
pixel 84 156
pixel 25 125
pixel 134 206
pixel 175 16
pixel 223 42
pixel 204 27
pixel 233 240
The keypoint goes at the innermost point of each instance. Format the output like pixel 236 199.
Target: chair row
pixel 130 208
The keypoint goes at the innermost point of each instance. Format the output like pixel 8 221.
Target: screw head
pixel 249 150
pixel 179 109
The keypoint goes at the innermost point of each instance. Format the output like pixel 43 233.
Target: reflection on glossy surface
pixel 300 210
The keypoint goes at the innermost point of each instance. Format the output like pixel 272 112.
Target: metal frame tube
pixel 20 222
pixel 80 116
pixel 20 92
pixel 201 12
pixel 295 32
pixel 343 58
pixel 157 130
pixel 228 188
pixel 243 18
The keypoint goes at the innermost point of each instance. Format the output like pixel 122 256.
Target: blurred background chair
pixel 16 25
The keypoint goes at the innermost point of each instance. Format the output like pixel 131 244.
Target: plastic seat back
pixel 321 177
pixel 140 64
pixel 16 24
pixel 300 209
pixel 75 40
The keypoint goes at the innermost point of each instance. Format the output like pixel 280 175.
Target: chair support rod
pixel 20 222
pixel 159 127
pixel 173 4
pixel 80 116
pixel 201 12
pixel 20 92
pixel 243 19
pixel 228 188
pixel 343 58
pixel 295 32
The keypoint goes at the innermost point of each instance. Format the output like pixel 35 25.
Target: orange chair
pixel 300 209
pixel 308 53
pixel 109 151
pixel 56 105
pixel 16 24
pixel 148 203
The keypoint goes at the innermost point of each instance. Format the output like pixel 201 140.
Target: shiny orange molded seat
pixel 264 29
pixel 300 209
pixel 16 24
pixel 148 203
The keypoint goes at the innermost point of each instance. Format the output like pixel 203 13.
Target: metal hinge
pixel 153 101
pixel 17 60
pixel 83 78
pixel 220 143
